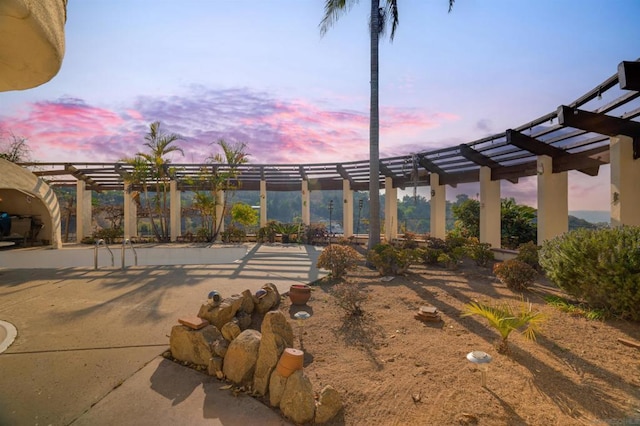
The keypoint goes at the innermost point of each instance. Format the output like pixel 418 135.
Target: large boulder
pixel 297 401
pixel 329 404
pixel 277 335
pixel 240 359
pixel 230 330
pixel 193 346
pixel 223 313
pixel 270 300
pixel 277 382
pixel 248 304
pixel 244 320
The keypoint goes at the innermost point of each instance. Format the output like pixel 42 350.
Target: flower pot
pixel 299 294
pixel 290 361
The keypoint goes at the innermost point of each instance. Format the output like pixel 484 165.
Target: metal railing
pixel 95 253
pixel 124 247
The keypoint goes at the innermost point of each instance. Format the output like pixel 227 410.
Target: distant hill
pixel 593 216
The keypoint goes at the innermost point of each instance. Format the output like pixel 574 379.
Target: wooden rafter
pixel 629 75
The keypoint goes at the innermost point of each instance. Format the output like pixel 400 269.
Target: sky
pixel 259 72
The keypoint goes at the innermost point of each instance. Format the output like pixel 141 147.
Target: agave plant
pixel 505 320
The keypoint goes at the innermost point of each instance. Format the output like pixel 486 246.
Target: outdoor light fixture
pixel 300 318
pixel 481 360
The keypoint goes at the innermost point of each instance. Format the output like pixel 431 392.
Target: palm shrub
pixel 516 274
pixel 390 260
pixel 504 319
pixel 601 267
pixel 338 259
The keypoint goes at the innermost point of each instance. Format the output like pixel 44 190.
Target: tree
pixel 380 19
pixel 15 149
pixel 151 171
pixel 221 176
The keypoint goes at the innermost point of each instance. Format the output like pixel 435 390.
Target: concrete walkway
pixel 89 341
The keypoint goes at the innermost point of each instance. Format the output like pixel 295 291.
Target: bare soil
pixel 392 369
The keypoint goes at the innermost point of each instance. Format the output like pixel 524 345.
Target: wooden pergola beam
pixel 629 75
pixel 345 175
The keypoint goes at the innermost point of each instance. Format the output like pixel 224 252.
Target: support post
pixel 625 175
pixel 553 205
pixel 489 209
pixel 390 210
pixel 306 202
pixel 83 211
pixel 347 212
pixel 263 203
pixel 438 204
pixel 130 213
pixel 220 213
pixel 175 217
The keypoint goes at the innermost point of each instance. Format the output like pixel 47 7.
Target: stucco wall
pixel 23 194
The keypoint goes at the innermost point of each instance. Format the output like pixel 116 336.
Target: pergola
pixel 600 127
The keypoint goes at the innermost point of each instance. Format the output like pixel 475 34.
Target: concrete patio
pixel 89 341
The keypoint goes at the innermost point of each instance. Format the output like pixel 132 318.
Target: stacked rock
pixel 428 314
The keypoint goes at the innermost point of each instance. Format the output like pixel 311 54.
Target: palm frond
pixel 333 10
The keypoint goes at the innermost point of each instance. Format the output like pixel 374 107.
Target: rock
pixel 329 404
pixel 230 331
pixel 220 347
pixel 277 335
pixel 277 383
pixel 193 346
pixel 244 320
pixel 222 314
pixel 215 366
pixel 270 300
pixel 297 401
pixel 248 305
pixel 240 360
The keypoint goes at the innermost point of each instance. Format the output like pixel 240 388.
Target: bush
pixel 338 259
pixel 528 253
pixel 480 252
pixel 430 255
pixel 350 298
pixel 392 261
pixel 267 234
pixel 516 274
pixel 600 267
pixel 436 243
pixel 233 234
pixel 451 258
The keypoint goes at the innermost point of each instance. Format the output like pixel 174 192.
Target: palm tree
pixel 151 169
pixel 380 19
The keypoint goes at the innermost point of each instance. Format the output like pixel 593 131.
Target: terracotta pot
pixel 290 361
pixel 299 294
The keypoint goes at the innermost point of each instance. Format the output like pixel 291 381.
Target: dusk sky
pixel 259 72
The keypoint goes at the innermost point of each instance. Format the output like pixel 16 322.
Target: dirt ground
pixel 392 369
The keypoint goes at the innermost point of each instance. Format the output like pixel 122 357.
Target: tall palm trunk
pixel 374 133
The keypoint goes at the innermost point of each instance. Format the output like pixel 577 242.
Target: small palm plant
pixel 505 320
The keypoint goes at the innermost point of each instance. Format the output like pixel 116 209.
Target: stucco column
pixel 220 212
pixel 347 215
pixel 489 209
pixel 130 213
pixel 390 210
pixel 306 202
pixel 553 205
pixel 625 175
pixel 175 216
pixel 438 204
pixel 263 203
pixel 83 211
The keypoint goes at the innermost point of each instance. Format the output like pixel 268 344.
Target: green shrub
pixel 267 234
pixel 516 274
pixel 528 253
pixel 577 309
pixel 480 252
pixel 233 234
pixel 600 267
pixel 349 297
pixel 338 259
pixel 453 242
pixel 436 243
pixel 108 234
pixel 429 255
pixel 392 261
pixel 451 259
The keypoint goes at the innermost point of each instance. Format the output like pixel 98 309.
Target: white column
pixel 625 175
pixel 306 202
pixel 553 205
pixel 263 203
pixel 438 206
pixel 390 210
pixel 489 209
pixel 347 215
pixel 175 211
pixel 83 211
pixel 130 213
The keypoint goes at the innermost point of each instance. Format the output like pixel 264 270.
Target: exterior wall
pixel 22 193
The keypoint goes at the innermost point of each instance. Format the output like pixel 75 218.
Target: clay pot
pixel 299 294
pixel 290 361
